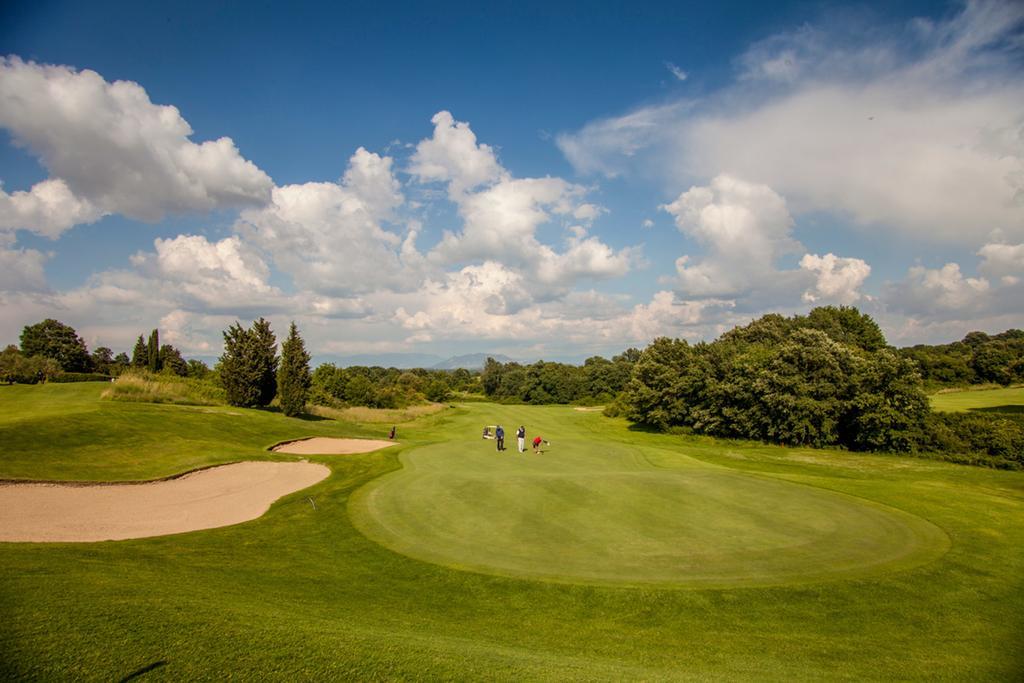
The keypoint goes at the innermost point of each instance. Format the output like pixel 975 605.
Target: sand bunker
pixel 324 446
pixel 206 499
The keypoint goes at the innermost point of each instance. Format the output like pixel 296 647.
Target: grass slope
pixel 594 509
pixel 301 593
pixel 1009 400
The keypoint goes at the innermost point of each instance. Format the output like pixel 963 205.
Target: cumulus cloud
pixel 331 238
pixel 217 275
pixel 501 215
pixel 109 149
pixel 920 132
pixel 452 155
pixel 939 292
pixel 20 269
pixel 837 279
pixel 745 228
pixel 1003 261
pixel 49 208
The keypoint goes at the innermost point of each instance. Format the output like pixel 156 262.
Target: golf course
pixel 616 553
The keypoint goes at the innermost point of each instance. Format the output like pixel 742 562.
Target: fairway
pixel 618 554
pixel 1009 400
pixel 596 512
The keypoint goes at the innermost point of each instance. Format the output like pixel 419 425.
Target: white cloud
pixel 219 275
pixel 109 149
pixel 330 237
pixel 1003 261
pixel 940 292
pixel 502 214
pixel 452 155
pixel 679 74
pixel 48 209
pixel 917 133
pixel 745 228
pixel 838 279
pixel 20 269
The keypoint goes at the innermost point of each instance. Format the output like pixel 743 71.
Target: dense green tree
pixel 249 358
pixel 197 369
pixel 265 347
pixel 101 359
pixel 140 354
pixel 172 361
pixel 57 341
pixel 121 363
pixel 153 352
pixel 785 381
pixel 293 377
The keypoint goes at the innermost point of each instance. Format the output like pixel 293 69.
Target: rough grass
pixel 301 594
pixel 378 415
pixel 1009 400
pixel 158 388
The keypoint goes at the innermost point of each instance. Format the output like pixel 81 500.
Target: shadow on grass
pixel 144 670
pixel 1014 409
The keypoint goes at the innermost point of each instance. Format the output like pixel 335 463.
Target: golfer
pixel 499 434
pixel 521 438
pixel 537 441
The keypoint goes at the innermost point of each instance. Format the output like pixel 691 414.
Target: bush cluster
pixel 824 379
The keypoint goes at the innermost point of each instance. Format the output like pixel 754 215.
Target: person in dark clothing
pixel 499 435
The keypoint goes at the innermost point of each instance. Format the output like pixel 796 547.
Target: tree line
pixel 977 359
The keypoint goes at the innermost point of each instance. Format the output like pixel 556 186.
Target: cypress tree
pixel 238 374
pixel 140 354
pixel 153 352
pixel 248 368
pixel 293 378
pixel 264 348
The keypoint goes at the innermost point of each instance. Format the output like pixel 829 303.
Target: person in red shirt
pixel 537 441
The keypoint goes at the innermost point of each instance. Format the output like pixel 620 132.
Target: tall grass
pixel 377 415
pixel 146 387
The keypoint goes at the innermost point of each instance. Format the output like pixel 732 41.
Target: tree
pixel 293 377
pixel 16 368
pixel 197 369
pixel 250 356
pixel 53 339
pixel 140 354
pixel 265 348
pixel 153 352
pixel 102 358
pixel 121 361
pixel 171 360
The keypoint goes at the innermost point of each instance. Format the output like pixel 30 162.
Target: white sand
pixel 206 499
pixel 324 446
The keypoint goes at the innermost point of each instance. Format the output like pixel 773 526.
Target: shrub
pixel 145 387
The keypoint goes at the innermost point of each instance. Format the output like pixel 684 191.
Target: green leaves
pixel 293 378
pixel 785 380
pixel 248 367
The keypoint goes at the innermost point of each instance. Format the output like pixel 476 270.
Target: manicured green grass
pixel 593 509
pixel 990 400
pixel 302 594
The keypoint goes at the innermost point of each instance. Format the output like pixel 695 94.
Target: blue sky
pixel 535 180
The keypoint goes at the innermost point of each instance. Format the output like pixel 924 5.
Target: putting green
pixel 589 511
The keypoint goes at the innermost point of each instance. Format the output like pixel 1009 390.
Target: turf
pixel 599 511
pixel 300 593
pixel 1009 400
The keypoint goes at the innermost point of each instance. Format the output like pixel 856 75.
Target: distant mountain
pixel 471 361
pixel 403 361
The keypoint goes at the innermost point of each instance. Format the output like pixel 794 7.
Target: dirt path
pixel 321 445
pixel 215 497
